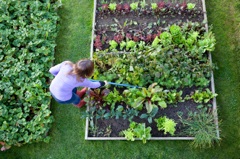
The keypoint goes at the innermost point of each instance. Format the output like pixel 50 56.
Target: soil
pixel 104 22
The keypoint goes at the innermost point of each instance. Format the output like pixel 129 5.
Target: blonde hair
pixel 82 69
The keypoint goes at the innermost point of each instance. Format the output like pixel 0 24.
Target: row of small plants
pixel 176 58
pixel 127 33
pixel 143 8
pixel 28 31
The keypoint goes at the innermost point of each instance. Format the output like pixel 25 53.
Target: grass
pixel 67 133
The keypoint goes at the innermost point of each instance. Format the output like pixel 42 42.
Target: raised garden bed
pixel 164 49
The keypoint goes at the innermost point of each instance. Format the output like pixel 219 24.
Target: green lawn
pixel 67 133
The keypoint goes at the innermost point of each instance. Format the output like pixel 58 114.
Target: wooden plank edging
pixel 215 114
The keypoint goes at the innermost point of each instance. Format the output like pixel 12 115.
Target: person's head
pixel 83 68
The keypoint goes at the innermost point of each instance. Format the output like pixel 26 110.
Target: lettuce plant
pixel 154 6
pixel 137 130
pixel 207 42
pixel 190 6
pixel 130 45
pixel 113 44
pixel 134 6
pixel 176 33
pixel 112 6
pixel 166 38
pixel 166 124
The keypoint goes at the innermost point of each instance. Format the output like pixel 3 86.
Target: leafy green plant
pixel 190 6
pixel 118 112
pixel 134 6
pixel 112 98
pixel 154 6
pixel 96 96
pixel 201 125
pixel 203 96
pixel 207 42
pixel 113 44
pixel 112 6
pixel 137 130
pixel 122 45
pixel 143 4
pixel 150 115
pixel 130 44
pixel 176 33
pixel 166 38
pixel 130 113
pixel 191 40
pixel 139 97
pixel 166 124
pixel 174 97
pixel 156 42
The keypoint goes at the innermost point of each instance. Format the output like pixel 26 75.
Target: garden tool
pixel 118 84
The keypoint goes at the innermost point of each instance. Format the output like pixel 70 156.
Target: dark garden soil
pixel 171 112
pixel 106 24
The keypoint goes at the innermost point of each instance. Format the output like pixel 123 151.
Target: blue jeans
pixel 74 100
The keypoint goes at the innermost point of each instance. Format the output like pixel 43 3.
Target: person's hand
pixel 106 83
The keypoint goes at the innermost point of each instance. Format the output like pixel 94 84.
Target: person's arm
pixel 91 84
pixel 55 69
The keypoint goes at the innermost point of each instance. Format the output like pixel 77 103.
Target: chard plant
pixel 166 124
pixel 137 98
pixel 112 98
pixel 203 96
pixel 174 97
pixel 137 130
pixel 105 7
pixel 96 96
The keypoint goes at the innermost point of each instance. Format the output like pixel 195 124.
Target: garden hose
pixel 118 84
